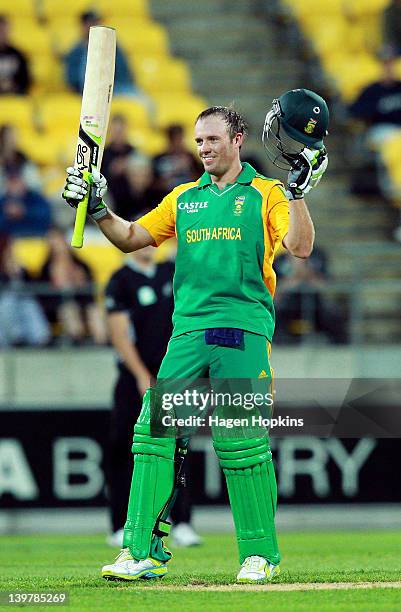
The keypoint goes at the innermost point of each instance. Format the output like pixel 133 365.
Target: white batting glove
pixel 306 172
pixel 77 187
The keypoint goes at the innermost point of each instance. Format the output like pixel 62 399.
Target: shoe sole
pixel 145 575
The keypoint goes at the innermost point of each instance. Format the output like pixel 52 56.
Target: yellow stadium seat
pixel 362 8
pixel 54 8
pixel 64 33
pixel 30 253
pixel 60 113
pixel 17 110
pixel 140 35
pixel 47 74
pixel 121 8
pixel 303 9
pixel 158 74
pixel 178 109
pixel 29 36
pixel 47 150
pixel 352 76
pixel 390 153
pixel 132 109
pixel 150 142
pixel 18 8
pixel 102 259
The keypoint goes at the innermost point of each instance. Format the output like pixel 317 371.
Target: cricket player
pixel 229 225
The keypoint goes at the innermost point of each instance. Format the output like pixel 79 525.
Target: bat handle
pixel 77 239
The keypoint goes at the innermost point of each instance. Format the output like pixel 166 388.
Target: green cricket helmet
pixel 298 119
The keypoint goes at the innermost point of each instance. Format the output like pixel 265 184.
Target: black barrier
pixel 57 459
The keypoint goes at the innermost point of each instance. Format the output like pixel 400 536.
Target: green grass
pixel 72 563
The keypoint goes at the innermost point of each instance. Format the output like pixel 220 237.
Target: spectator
pixel 301 306
pixel 23 212
pixel 128 173
pixel 392 26
pixel 14 72
pixel 176 165
pixel 139 302
pixel 379 105
pixel 377 115
pixel 75 62
pixel 22 321
pixel 13 160
pixel 73 305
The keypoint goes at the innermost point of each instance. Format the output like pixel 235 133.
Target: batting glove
pixel 306 172
pixel 76 189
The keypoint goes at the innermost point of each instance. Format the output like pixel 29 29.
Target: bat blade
pixel 95 112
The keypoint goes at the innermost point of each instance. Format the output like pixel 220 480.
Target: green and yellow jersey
pixel 227 240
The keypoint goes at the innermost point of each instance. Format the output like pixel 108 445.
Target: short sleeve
pixel 278 212
pixel 160 222
pixel 116 297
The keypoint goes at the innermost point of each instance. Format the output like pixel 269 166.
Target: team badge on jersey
pixel 238 205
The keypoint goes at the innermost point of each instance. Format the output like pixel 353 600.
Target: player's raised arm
pixel 293 135
pixel 125 235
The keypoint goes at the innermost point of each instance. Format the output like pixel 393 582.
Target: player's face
pixel 218 152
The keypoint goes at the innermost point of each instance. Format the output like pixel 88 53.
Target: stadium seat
pixel 351 77
pixel 64 32
pixel 158 74
pixel 30 253
pixel 60 112
pixel 150 142
pixel 178 109
pixel 140 36
pixel 390 153
pixel 363 8
pixel 29 36
pixel 49 149
pixel 121 8
pixel 303 9
pixel 51 9
pixel 47 75
pixel 132 109
pixel 17 111
pixel 103 260
pixel 18 8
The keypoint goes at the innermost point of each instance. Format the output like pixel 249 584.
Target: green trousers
pixel 244 451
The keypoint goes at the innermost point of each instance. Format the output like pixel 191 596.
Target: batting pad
pixel 248 468
pixel 152 488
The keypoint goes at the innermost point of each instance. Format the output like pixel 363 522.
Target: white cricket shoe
pixel 127 568
pixel 257 569
pixel 184 535
pixel 116 538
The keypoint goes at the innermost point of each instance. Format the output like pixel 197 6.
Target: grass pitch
pixel 203 578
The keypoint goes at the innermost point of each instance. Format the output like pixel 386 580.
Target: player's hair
pixel 235 122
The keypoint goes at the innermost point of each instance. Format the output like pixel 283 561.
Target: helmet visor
pixel 281 149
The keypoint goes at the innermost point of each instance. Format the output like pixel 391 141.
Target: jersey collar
pixel 244 178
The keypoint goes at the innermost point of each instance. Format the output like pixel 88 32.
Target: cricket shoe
pixel 184 535
pixel 126 567
pixel 116 538
pixel 256 569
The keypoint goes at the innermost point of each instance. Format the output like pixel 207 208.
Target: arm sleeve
pixel 116 296
pixel 160 222
pixel 278 212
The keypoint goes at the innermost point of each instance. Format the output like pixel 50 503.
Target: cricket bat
pixel 95 112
